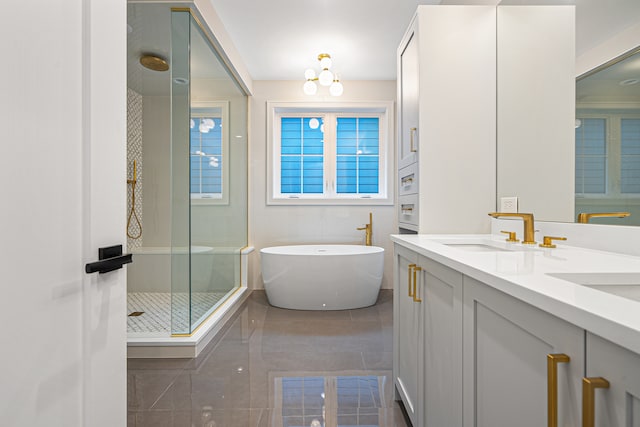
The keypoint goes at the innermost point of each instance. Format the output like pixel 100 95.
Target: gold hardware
pixel 407 180
pixel 583 218
pixel 546 241
pixel 552 386
pixel 406 208
pixel 154 62
pixel 368 230
pixel 323 55
pixel 411 132
pixel 409 277
pixel 415 292
pixel 512 236
pixel 132 213
pixel 589 386
pixel 527 218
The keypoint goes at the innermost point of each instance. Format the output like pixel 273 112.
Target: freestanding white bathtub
pixel 322 277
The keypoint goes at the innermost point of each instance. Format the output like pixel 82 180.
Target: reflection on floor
pixel 156 310
pixel 276 368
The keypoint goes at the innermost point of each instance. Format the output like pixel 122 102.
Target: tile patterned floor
pixel 276 368
pixel 156 307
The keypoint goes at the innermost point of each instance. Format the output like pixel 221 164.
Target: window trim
pixel 198 109
pixel 382 109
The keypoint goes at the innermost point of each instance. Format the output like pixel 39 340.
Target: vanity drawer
pixel 408 210
pixel 408 179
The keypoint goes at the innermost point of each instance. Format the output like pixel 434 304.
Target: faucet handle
pixel 512 236
pixel 546 241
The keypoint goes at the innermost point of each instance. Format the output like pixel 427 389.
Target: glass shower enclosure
pixel 191 173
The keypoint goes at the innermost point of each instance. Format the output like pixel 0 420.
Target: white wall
pixel 283 225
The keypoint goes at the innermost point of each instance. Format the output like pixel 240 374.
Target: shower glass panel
pixel 180 227
pixel 187 131
pixel 210 154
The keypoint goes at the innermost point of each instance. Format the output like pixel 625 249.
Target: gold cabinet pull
pixel 415 281
pixel 552 386
pixel 589 386
pixel 411 266
pixel 412 132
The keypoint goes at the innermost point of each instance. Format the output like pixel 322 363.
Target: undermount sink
pixel 483 245
pixel 476 247
pixel 626 285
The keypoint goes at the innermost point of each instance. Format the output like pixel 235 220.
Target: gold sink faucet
pixel 368 230
pixel 527 218
pixel 583 218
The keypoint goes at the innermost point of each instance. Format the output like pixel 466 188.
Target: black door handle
pixel 110 258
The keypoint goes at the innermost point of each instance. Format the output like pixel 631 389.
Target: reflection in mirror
pixel 608 141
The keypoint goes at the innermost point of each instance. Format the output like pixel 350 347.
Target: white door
pixel 62 176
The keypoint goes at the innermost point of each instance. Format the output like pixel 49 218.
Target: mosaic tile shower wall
pixel 134 152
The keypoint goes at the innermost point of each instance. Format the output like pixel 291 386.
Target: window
pixel 329 154
pixel 630 156
pixel 608 155
pixel 591 157
pixel 208 147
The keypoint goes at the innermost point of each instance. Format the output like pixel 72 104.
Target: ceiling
pixel 279 39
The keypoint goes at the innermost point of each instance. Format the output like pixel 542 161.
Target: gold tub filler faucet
pixel 368 229
pixel 527 218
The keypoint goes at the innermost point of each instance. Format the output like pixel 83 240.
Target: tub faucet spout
pixel 368 229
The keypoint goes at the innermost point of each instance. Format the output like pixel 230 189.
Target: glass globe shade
pixel 325 78
pixel 192 123
pixel 325 63
pixel 314 123
pixel 309 74
pixel 336 89
pixel 310 88
pixel 203 128
pixel 209 123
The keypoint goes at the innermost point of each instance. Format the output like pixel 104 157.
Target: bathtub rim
pixel 282 250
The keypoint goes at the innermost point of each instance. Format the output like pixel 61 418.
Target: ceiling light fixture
pixel 325 78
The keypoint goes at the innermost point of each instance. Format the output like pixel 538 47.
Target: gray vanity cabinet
pixel 442 336
pixel 407 335
pixel 428 339
pixel 505 367
pixel 619 404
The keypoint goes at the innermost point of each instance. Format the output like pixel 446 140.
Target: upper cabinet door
pixel 408 91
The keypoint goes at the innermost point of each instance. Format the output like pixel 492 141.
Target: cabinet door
pixel 505 371
pixel 442 311
pixel 619 405
pixel 407 324
pixel 408 91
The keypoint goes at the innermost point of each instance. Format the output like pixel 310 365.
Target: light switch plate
pixel 509 204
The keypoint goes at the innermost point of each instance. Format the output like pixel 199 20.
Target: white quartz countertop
pixel 522 271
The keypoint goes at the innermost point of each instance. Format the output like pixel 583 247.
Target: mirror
pixel 607 138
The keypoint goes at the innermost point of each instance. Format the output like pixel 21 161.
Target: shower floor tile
pixel 156 310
